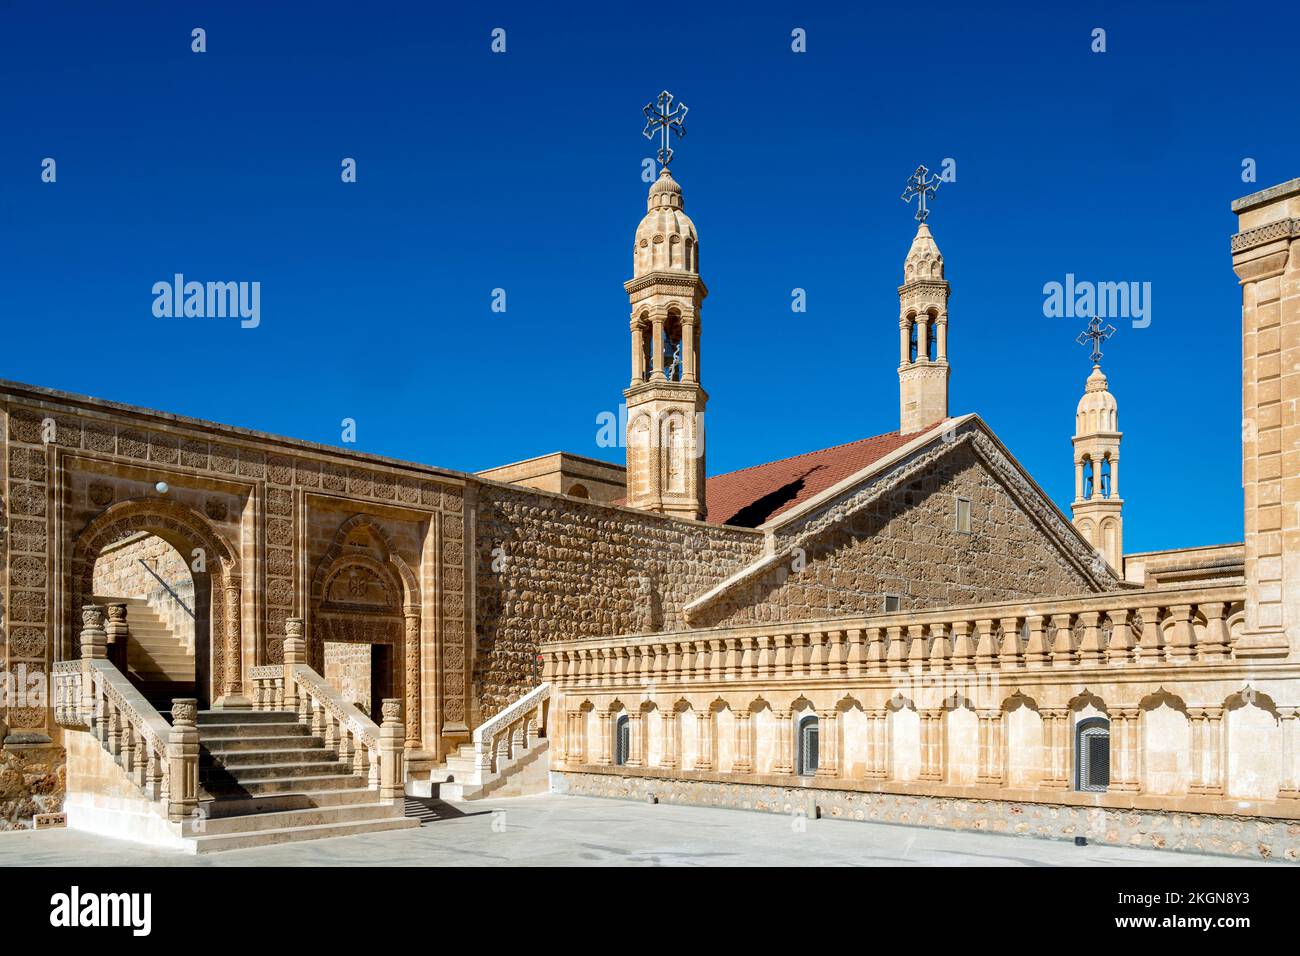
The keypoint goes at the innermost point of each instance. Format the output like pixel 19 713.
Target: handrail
pixel 175 597
pixel 496 738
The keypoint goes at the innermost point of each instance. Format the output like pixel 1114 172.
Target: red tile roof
pixel 752 496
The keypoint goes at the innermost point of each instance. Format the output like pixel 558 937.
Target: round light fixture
pixel 161 487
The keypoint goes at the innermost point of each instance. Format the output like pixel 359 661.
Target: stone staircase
pixel 263 780
pixel 508 756
pixel 157 661
pixel 525 773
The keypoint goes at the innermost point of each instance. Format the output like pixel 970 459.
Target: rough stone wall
pixel 118 572
pixel 554 568
pixel 32 781
pixel 906 543
pixel 1265 838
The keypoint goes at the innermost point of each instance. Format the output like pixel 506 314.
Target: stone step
pixel 305 817
pixel 219 773
pixel 238 806
pixel 251 758
pixel 257 788
pixel 256 838
pixel 220 746
pixel 249 731
pixel 208 718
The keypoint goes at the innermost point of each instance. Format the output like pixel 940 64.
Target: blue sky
pixel 522 171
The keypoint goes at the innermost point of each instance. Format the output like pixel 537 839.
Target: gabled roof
pixel 753 496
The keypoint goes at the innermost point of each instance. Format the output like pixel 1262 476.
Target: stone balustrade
pixel 510 731
pixel 159 759
pixel 1114 630
pixel 375 751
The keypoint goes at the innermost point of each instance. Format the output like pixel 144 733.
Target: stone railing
pixel 1170 626
pixel 161 760
pixel 510 731
pixel 375 751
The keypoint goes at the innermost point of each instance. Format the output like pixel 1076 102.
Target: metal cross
pixel 1095 335
pixel 661 114
pixel 922 187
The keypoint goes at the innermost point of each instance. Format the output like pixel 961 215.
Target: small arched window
pixel 579 490
pixel 1105 477
pixel 1092 755
pixel 1087 477
pixel 622 739
pixel 808 745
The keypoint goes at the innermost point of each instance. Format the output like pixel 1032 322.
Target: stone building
pixel 250 638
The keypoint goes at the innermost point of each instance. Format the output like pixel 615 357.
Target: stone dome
pixel 924 260
pixel 665 239
pixel 1098 411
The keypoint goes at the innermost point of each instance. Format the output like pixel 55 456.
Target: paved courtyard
pixel 554 830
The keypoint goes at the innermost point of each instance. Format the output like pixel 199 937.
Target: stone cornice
pixel 681 280
pixel 1282 230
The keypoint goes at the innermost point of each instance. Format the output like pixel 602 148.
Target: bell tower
pixel 1097 509
pixel 922 336
pixel 665 401
pixel 922 321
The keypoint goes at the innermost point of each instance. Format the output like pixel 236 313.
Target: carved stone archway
pixel 363 591
pixel 187 531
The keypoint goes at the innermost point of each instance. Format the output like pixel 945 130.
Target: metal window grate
pixel 808 746
pixel 622 740
pixel 1092 755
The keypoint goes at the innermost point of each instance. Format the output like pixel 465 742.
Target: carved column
pixel 1125 724
pixel 636 748
pixel 294 652
pixel 1055 722
pixel 784 732
pixel 183 760
pixel 743 761
pixel 877 743
pixel 411 619
pixel 118 636
pixel 232 697
pixel 671 739
pixel 638 353
pixel 657 347
pixel 1289 788
pixel 704 740
pixel 603 757
pixel 828 744
pixel 990 747
pixel 1209 781
pixel 931 744
pixel 392 770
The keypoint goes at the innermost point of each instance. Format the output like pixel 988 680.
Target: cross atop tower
pixel 920 185
pixel 1095 335
pixel 662 116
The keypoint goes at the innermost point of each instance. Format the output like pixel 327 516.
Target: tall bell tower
pixel 665 401
pixel 922 322
pixel 1097 510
